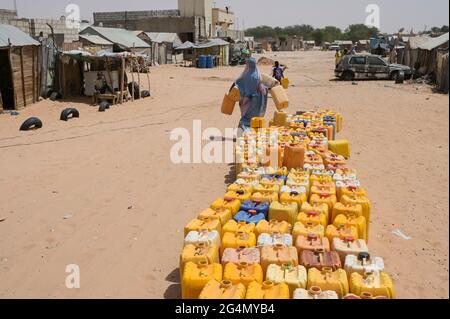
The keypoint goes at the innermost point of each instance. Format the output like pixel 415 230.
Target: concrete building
pixel 222 20
pixel 194 21
pixel 38 27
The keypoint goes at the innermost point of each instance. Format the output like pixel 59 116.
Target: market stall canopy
pixel 203 45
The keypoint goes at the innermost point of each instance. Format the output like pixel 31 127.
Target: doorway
pixel 6 86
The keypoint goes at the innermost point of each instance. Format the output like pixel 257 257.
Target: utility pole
pixel 15 7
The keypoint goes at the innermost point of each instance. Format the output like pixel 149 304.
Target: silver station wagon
pixel 353 67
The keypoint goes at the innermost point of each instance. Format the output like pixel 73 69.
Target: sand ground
pixel 127 204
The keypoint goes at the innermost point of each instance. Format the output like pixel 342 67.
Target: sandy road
pixel 97 167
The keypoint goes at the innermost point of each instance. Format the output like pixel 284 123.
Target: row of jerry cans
pixel 253 248
pixel 283 281
pixel 309 251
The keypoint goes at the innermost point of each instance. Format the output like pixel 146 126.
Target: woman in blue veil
pixel 253 101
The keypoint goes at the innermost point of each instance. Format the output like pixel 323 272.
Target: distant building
pixel 291 44
pixel 194 21
pixel 37 28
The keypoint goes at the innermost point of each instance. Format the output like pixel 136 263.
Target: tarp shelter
pixel 163 46
pixel 421 53
pixel 217 47
pixel 19 68
pixel 79 69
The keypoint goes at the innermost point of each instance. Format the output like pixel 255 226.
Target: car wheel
pixel 348 76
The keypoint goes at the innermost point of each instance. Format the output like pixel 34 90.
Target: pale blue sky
pixel 394 13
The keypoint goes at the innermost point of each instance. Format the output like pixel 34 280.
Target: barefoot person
pixel 253 101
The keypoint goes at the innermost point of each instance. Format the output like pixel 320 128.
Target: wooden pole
pixel 148 79
pixel 138 66
pixel 132 79
pixel 23 78
pixel 122 67
pixel 34 75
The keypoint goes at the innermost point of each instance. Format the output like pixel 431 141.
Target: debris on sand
pixel 400 234
pixel 265 61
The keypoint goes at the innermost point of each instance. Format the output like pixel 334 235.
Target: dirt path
pixel 128 204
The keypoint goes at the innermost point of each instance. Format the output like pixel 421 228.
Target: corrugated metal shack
pixel 19 68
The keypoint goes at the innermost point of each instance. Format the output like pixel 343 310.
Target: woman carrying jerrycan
pixel 253 92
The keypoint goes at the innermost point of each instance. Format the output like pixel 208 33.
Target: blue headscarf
pixel 248 83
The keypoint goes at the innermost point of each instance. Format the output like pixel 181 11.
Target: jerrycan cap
pixel 268 284
pixel 319 251
pixel 366 295
pixel 327 270
pixel 252 212
pixel 349 239
pixel 287 266
pixel 312 214
pixel 203 263
pixel 363 256
pixel 312 237
pixel 315 291
pixel 228 199
pixel 243 265
pixel 240 192
pixel 278 246
pixel 226 284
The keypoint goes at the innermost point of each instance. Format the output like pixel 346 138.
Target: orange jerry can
pixel 335 160
pixel 238 239
pixel 257 123
pixel 320 208
pixel 243 273
pixel 232 204
pixel 341 231
pixel 240 194
pixel 294 156
pixel 353 220
pixel 312 242
pixel 196 276
pixel 314 218
pixel 247 188
pixel 268 290
pixel 224 215
pixel 222 290
pixel 203 224
pixel 279 97
pixel 264 197
pixel 198 253
pixel 278 254
pixel 327 279
pixel 228 105
pixel 233 227
pixel 352 191
pixel 240 255
pixel 323 190
pixel 293 196
pixel 273 226
pixel 374 282
pixel 328 199
pixel 301 229
pixel 346 210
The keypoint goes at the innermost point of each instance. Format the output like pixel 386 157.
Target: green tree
pixel 356 32
pixel 261 32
